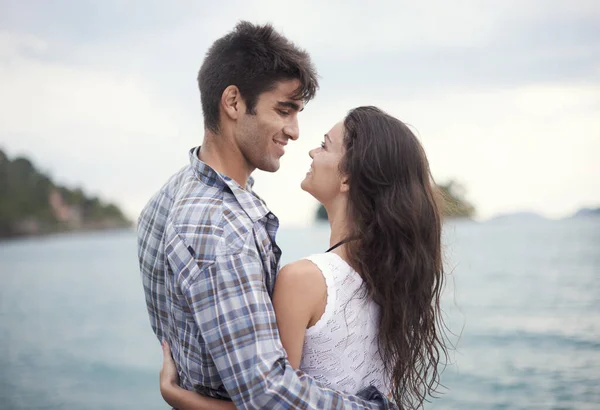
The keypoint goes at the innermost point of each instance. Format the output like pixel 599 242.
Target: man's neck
pixel 224 156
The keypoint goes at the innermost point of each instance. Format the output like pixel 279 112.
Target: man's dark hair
pixel 253 58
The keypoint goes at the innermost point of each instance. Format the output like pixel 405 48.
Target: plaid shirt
pixel 208 260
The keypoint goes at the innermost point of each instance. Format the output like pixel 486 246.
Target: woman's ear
pixel 344 187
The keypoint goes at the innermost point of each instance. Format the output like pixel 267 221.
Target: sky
pixel 505 97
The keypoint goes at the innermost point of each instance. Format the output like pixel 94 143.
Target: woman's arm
pixel 299 300
pixel 180 398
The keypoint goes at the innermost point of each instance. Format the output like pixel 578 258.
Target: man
pixel 207 246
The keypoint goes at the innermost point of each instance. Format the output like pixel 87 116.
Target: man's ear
pixel 232 102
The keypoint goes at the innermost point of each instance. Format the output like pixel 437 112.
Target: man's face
pixel 262 137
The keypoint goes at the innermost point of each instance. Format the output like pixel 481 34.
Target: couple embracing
pixel 357 326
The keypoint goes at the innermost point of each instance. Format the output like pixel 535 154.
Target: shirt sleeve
pixel 234 313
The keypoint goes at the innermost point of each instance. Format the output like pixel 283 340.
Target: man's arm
pixel 235 315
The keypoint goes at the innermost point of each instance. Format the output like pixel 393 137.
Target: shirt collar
pixel 252 205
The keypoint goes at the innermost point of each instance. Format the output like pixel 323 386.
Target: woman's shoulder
pixel 313 273
pixel 302 271
pixel 301 287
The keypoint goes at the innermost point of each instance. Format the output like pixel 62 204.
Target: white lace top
pixel 340 350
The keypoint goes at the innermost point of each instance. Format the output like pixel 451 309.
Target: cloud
pixel 89 127
pixel 504 96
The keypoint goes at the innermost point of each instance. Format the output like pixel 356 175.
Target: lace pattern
pixel 340 350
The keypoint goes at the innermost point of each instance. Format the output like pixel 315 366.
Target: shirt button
pixel 271 216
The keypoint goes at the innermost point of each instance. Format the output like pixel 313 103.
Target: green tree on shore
pixel 455 204
pixel 26 208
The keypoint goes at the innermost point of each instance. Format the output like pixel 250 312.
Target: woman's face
pixel 323 180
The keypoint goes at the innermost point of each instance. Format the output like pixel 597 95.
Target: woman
pixel 366 312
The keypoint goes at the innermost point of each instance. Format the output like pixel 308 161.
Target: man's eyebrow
pixel 291 105
pixel 327 137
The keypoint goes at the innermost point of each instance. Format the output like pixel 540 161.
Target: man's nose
pixel 291 130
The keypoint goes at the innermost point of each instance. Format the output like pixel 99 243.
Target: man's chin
pixel 270 167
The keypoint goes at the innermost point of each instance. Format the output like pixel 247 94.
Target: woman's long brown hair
pixel 395 210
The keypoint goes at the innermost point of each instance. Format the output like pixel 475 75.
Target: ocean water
pixel 522 301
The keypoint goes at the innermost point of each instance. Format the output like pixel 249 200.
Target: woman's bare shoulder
pixel 302 276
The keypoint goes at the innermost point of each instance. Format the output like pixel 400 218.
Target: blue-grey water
pixel 523 300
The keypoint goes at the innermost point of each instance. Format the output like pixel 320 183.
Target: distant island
pixel 587 212
pixel 454 203
pixel 32 204
pixel 530 216
pixel 517 217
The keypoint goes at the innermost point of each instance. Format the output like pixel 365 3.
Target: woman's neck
pixel 338 222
